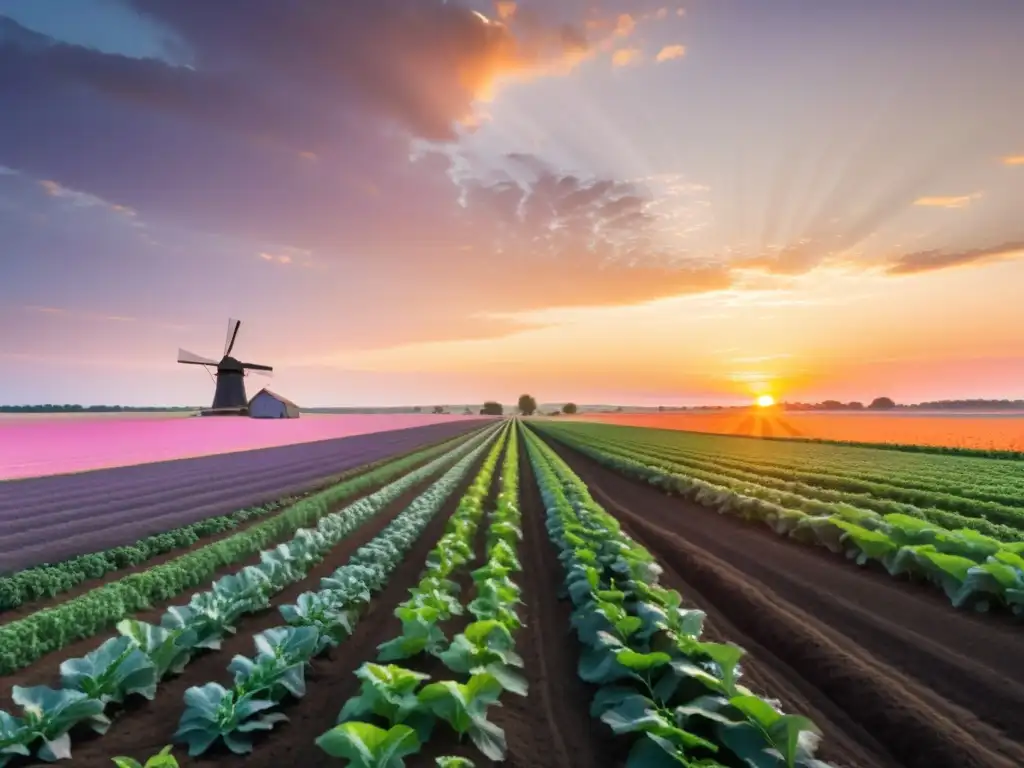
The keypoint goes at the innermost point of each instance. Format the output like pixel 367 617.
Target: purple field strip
pixel 259 477
pixel 43 445
pixel 22 493
pixel 52 507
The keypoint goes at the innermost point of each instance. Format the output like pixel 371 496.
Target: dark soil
pixel 893 676
pixel 552 726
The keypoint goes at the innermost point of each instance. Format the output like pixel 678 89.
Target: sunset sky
pixel 412 201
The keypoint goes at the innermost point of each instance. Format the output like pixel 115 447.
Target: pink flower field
pixel 35 446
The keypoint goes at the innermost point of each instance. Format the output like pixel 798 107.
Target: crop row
pixel 1004 514
pixel 742 476
pixel 676 698
pixel 981 479
pixel 392 714
pixel 50 580
pixel 143 654
pixel 973 570
pixel 28 639
pixel 317 621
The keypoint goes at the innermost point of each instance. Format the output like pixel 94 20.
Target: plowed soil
pixel 894 676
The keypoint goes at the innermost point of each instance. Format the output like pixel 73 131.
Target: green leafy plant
pixel 464 708
pixel 168 650
pixel 213 712
pixel 486 647
pixel 387 692
pixel 48 716
pixel 367 746
pixel 420 634
pixel 114 670
pixel 162 759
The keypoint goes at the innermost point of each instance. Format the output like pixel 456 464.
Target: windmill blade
pixel 191 358
pixel 229 342
pixel 257 367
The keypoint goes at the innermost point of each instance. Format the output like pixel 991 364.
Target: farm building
pixel 270 405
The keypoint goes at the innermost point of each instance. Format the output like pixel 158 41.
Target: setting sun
pixel 765 401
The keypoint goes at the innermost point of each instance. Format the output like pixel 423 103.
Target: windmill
pixel 230 394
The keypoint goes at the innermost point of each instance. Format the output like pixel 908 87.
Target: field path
pixel 894 676
pixel 49 519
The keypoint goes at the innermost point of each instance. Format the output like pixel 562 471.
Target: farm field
pixel 994 431
pixel 37 445
pixel 112 507
pixel 513 585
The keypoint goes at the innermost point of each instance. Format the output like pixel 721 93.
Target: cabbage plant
pixel 486 647
pixel 464 708
pixel 169 650
pixel 48 716
pixel 162 759
pixel 213 712
pixel 114 670
pixel 366 746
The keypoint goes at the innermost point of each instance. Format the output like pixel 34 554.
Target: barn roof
pixel 274 395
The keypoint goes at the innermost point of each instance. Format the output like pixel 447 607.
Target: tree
pixel 438 409
pixel 882 404
pixel 527 405
pixel 417 409
pixel 492 408
pixel 569 408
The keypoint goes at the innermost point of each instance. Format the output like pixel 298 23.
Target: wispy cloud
pixel 626 56
pixel 288 255
pixel 930 261
pixel 80 315
pixel 1013 160
pixel 956 201
pixel 624 25
pixel 670 52
pixel 83 199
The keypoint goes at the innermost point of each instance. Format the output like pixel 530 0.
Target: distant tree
pixel 417 409
pixel 438 409
pixel 569 408
pixel 553 413
pixel 882 404
pixel 856 406
pixel 832 405
pixel 619 409
pixel 661 409
pixel 492 408
pixel 468 411
pixel 527 405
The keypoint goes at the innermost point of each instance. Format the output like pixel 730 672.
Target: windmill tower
pixel 229 397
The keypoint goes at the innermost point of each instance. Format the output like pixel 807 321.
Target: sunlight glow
pixel 765 401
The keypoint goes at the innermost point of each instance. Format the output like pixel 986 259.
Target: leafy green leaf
pixel 367 746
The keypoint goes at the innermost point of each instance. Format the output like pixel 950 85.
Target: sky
pixel 415 201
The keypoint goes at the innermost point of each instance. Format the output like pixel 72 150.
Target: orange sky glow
pixel 622 202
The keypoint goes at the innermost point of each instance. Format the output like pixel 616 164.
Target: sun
pixel 765 401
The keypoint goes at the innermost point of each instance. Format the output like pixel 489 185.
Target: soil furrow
pixel 561 733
